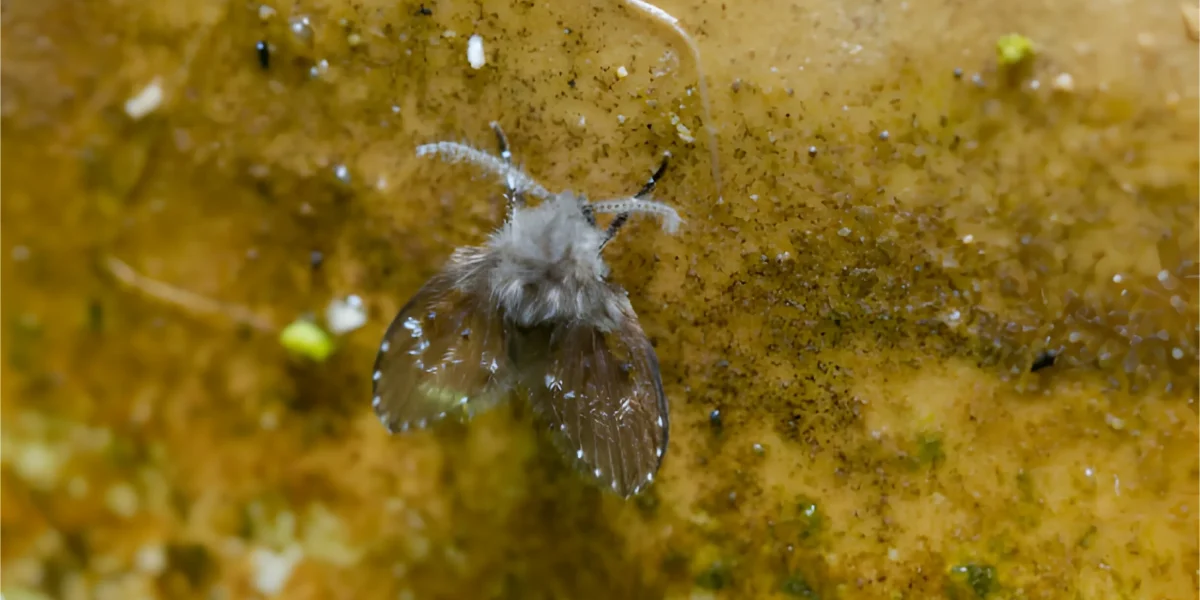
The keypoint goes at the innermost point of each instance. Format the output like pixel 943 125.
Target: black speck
pixel 264 54
pixel 95 315
pixel 425 11
pixel 796 587
pixel 571 83
pixel 958 73
pixel 316 259
pixel 1044 360
pixel 715 577
pixel 193 561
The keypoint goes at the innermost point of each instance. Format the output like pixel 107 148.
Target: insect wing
pixel 444 354
pixel 603 393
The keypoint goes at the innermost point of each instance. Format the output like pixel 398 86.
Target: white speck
pixel 38 464
pixel 649 477
pixel 265 12
pixel 893 554
pixel 954 316
pixel 658 452
pixel 151 559
pixel 449 33
pixel 843 232
pixel 614 486
pixel 146 101
pixel 1089 472
pixel 582 121
pixel 385 346
pixel 122 500
pixel 579 454
pixel 597 472
pixel 660 424
pixel 1117 278
pixel 1164 275
pixel 1064 82
pixel 967 239
pixel 302 28
pixel 1114 421
pixel 622 72
pixel 272 570
pixel 462 400
pixel 621 119
pixel 345 315
pixel 475 54
pixel 342 173
pixel 1035 85
pixel 1176 353
pixel 395 109
pixel 376 375
pixel 562 426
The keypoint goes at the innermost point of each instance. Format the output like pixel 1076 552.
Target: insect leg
pixel 514 196
pixel 621 218
pixel 649 187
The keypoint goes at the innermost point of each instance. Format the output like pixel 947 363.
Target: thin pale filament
pixel 673 23
pixel 455 152
pixel 670 217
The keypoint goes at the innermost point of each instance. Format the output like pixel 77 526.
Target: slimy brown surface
pixel 906 228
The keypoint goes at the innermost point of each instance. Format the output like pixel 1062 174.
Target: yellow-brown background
pixel 868 315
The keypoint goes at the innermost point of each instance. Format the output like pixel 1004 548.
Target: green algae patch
pixel 1014 48
pixel 971 581
pixel 305 338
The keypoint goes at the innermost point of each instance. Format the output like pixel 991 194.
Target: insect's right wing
pixel 602 393
pixel 444 354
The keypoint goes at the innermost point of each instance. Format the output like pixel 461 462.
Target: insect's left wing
pixel 602 392
pixel 443 355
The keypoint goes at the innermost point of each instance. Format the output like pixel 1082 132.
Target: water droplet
pixel 301 28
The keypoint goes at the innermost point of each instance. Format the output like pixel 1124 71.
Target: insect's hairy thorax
pixel 548 267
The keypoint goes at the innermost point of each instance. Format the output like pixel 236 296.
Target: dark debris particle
pixel 192 560
pixel 95 316
pixel 425 11
pixel 571 83
pixel 980 578
pixel 809 519
pixel 958 73
pixel 796 587
pixel 1044 360
pixel 929 449
pixel 715 577
pixel 264 54
pixel 647 502
pixel 714 419
pixel 316 259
